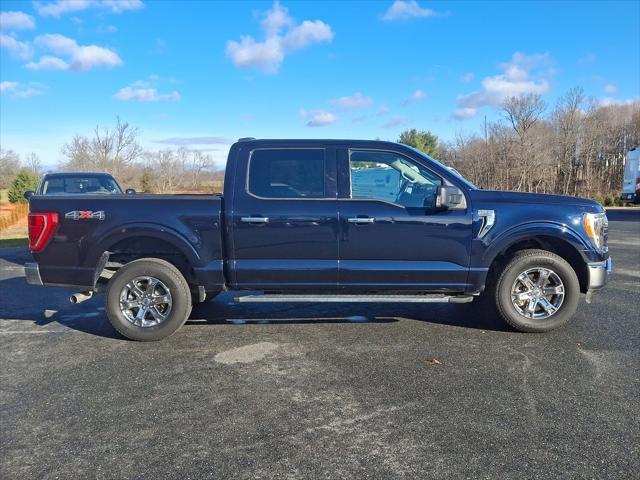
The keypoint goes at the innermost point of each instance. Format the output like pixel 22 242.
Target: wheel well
pixel 551 244
pixel 134 248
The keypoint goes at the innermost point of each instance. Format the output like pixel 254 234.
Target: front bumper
pixel 599 273
pixel 629 197
pixel 32 272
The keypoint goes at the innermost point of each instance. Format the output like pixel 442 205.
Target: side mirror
pixel 130 191
pixel 450 198
pixel 28 194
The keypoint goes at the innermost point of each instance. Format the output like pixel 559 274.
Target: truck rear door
pixel 283 218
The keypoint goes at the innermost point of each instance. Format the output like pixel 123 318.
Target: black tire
pixel 530 259
pixel 171 277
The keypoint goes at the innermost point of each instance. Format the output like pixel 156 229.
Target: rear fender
pixel 160 232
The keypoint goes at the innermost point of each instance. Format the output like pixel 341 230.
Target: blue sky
pixel 200 73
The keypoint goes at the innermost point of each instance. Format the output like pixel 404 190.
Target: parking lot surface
pixel 318 391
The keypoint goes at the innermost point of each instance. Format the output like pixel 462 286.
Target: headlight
pixel 595 226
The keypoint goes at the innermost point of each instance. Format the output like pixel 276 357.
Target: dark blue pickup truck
pixel 323 221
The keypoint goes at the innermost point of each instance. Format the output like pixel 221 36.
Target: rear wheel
pixel 147 299
pixel 537 291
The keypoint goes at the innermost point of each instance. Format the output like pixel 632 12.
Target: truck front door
pixel 393 237
pixel 284 223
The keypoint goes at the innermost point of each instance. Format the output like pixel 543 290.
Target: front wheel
pixel 147 299
pixel 537 291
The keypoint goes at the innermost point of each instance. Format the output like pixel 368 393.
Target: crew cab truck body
pixel 321 221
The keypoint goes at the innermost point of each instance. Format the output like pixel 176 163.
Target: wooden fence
pixel 10 214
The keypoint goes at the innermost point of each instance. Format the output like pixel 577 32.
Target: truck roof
pixel 318 141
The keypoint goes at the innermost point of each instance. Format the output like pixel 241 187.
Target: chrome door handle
pixel 254 219
pixel 361 220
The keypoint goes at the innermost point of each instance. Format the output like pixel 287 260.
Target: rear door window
pixel 287 173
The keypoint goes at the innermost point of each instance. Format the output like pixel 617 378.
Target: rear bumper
pixel 32 272
pixel 599 274
pixel 629 197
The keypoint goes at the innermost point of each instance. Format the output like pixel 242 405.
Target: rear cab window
pixel 287 173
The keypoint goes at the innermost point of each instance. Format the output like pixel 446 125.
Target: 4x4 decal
pixel 85 215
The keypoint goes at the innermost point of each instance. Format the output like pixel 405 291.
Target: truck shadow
pixel 221 312
pixel 44 308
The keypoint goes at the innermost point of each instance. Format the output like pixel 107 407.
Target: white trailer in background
pixel 631 181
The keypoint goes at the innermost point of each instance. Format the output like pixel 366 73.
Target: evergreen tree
pixel 25 180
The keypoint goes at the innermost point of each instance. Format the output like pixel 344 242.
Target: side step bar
pixel 268 298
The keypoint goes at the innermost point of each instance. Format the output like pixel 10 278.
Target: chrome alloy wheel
pixel 145 301
pixel 537 293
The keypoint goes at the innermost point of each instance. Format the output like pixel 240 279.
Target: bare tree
pixel 199 163
pixel 522 113
pixel 9 166
pixel 107 150
pixel 165 170
pixel 33 163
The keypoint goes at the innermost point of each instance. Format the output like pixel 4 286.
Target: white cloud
pixel 146 95
pixel 307 34
pixel 190 141
pixel 610 88
pixel 522 75
pixel 58 44
pixel 60 7
pixel 464 113
pixel 267 55
pixel 119 6
pixel 8 86
pixel 396 121
pixel 147 91
pixel 107 29
pixel 21 90
pixel 29 92
pixel 16 21
pixel 318 118
pixel 467 77
pixel 22 50
pixel 47 62
pixel 406 9
pixel 608 101
pixel 383 110
pixel 78 57
pixel 415 97
pixel 357 100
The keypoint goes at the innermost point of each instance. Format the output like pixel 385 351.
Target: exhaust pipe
pixel 80 297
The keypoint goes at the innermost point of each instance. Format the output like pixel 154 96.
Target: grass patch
pixel 13 242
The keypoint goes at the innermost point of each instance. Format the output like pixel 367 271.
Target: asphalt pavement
pixel 322 391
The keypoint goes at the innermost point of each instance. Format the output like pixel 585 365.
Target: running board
pixel 268 298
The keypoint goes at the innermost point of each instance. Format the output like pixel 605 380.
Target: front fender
pixel 490 248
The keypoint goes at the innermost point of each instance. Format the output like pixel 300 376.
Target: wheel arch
pixel 565 246
pixel 149 241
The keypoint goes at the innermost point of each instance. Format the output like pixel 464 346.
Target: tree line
pixel 577 147
pixel 117 151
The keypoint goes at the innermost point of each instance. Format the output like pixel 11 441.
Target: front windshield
pixel 450 169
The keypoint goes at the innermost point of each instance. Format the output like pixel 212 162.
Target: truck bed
pixel 94 229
